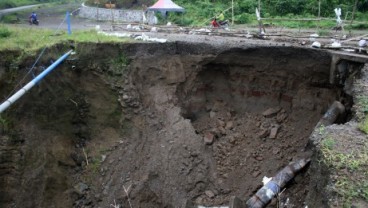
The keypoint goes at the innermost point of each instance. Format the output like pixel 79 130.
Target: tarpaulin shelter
pixel 164 6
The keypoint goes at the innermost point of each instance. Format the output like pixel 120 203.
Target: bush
pixel 4 32
pixel 361 16
pixel 243 18
pixel 6 4
pixel 10 18
pixel 247 6
pixel 181 19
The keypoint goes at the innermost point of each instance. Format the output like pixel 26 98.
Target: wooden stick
pixel 85 155
pixel 127 194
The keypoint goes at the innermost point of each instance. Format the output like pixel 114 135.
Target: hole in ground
pixel 257 108
pixel 135 138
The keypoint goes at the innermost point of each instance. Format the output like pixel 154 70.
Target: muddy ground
pixel 173 124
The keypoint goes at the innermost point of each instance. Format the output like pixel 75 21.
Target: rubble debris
pixel 209 193
pixel 273 132
pixel 316 44
pixel 335 45
pixel 154 29
pixel 222 130
pixel 229 125
pixel 271 112
pixel 263 133
pixel 362 43
pixel 220 123
pixel 255 174
pixel 212 114
pixel 281 117
pixel 80 188
pixel 145 37
pixel 120 35
pixel 208 138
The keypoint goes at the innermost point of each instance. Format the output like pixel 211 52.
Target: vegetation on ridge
pixel 4 4
pixel 199 12
pixel 32 39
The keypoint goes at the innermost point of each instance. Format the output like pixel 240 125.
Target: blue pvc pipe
pixel 32 83
pixel 51 67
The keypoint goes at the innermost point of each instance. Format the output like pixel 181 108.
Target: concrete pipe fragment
pixel 273 187
pixel 332 114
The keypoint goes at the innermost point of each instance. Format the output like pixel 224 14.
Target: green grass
pixel 4 32
pixel 328 143
pixel 352 183
pixel 34 38
pixel 362 106
pixel 4 4
pixel 10 18
pixel 4 123
pixel 363 126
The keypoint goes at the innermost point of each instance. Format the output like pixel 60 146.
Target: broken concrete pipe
pixel 332 114
pixel 273 187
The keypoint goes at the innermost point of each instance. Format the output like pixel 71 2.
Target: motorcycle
pixel 33 21
pixel 220 24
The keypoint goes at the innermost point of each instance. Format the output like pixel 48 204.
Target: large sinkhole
pixel 165 125
pixel 255 109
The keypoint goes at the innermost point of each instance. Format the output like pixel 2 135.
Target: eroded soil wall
pixel 171 124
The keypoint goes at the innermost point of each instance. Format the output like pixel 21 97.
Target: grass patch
pixel 363 126
pixel 4 32
pixel 95 165
pixel 122 61
pixel 4 124
pixel 351 179
pixel 350 191
pixel 4 4
pixel 10 18
pixel 362 106
pixel 328 143
pixel 33 38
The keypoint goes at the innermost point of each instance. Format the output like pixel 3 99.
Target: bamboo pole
pixel 288 19
pixel 112 14
pixel 352 15
pixel 310 19
pixel 319 13
pixel 232 11
pixel 259 6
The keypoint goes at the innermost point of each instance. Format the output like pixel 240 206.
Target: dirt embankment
pixel 169 124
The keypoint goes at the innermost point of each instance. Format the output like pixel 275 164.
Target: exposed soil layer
pixel 165 124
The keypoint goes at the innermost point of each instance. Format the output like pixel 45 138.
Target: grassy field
pixel 32 39
pixel 4 4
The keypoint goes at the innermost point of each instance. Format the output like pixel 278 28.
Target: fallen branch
pixel 127 194
pixel 85 155
pixel 115 205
